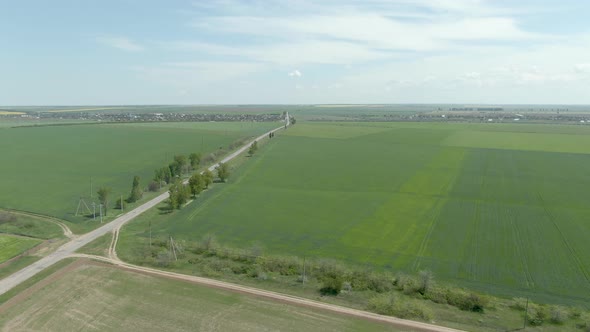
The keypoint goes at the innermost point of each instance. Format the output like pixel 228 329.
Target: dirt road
pixel 406 325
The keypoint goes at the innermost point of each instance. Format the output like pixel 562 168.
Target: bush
pixel 153 186
pixel 536 315
pixel 331 284
pixel 407 284
pixel 425 280
pixel 379 283
pixel 437 295
pixel 466 301
pixel 389 304
pixel 518 303
pixel 558 315
pixel 283 265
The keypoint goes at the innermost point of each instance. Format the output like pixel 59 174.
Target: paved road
pixel 76 243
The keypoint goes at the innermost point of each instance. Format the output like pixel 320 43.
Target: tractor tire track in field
pixel 577 260
pixel 434 214
pixel 530 282
pixel 407 325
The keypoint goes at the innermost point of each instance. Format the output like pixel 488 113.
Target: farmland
pixel 11 246
pixel 109 299
pixel 496 207
pixel 47 169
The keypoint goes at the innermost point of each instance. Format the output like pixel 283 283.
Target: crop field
pixel 11 246
pixel 47 169
pixel 497 207
pixel 102 298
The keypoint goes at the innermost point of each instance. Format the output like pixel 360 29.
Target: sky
pixel 103 52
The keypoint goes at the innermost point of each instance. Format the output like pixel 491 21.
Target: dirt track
pixel 397 322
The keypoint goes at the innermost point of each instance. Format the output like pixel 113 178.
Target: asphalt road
pixel 76 243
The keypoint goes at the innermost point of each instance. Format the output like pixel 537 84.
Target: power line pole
pixel 526 313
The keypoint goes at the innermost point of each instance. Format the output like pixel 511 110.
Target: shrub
pixel 331 284
pixel 557 315
pixel 389 304
pixel 536 315
pixel 153 186
pixel 518 303
pixel 379 283
pixel 466 301
pixel 407 284
pixel 425 280
pixel 437 295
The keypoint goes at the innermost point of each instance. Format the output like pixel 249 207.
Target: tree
pixel 207 178
pixel 136 192
pixel 159 175
pixel 253 148
pixel 103 197
pixel 167 174
pixel 179 194
pixel 195 159
pixel 182 163
pixel 196 184
pixel 222 171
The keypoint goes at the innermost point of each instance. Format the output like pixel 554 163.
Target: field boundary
pixel 289 299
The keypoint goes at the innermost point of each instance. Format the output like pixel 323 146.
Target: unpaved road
pixel 406 325
pixel 76 243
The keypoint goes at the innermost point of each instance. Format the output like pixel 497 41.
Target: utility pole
pixel 121 203
pixel 526 313
pixel 303 278
pixel 100 208
pixel 150 234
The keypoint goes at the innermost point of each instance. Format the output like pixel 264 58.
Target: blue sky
pixel 294 52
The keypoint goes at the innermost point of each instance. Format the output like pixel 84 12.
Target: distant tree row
pixel 180 193
pixel 179 166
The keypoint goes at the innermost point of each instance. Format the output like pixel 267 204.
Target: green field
pixel 11 246
pixel 499 208
pixel 107 299
pixel 47 169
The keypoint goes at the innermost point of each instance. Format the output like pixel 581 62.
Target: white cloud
pixel 295 73
pixel 583 68
pixel 121 43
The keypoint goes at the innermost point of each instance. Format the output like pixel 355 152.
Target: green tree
pixel 195 159
pixel 196 184
pixel 222 171
pixel 253 148
pixel 103 197
pixel 167 174
pixel 159 176
pixel 207 178
pixel 179 194
pixel 136 192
